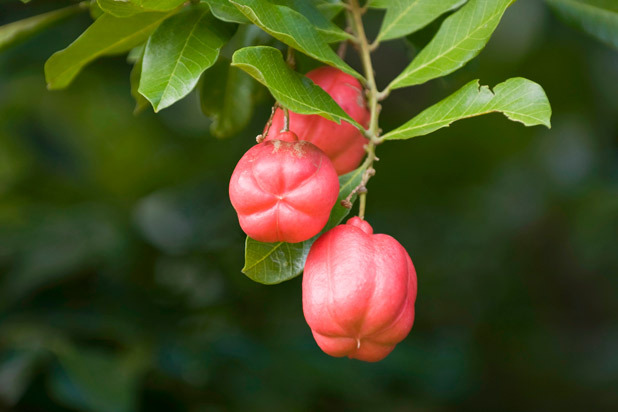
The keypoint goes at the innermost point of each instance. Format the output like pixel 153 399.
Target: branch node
pixel 383 94
pixel 346 203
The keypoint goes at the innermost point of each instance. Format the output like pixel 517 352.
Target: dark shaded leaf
pixel 599 18
pixel 15 32
pixel 227 96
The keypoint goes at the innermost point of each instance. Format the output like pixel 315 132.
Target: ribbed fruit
pixel 283 190
pixel 359 291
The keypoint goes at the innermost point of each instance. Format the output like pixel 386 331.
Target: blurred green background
pixel 120 255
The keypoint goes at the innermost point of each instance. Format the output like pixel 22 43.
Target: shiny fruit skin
pixel 359 290
pixel 283 190
pixel 342 143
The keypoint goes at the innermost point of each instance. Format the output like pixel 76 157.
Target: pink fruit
pixel 283 190
pixel 359 291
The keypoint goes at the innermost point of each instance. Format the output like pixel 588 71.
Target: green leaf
pixel 518 99
pixel 136 72
pixel 227 96
pixel 272 263
pixel 226 11
pixel 291 89
pixel 158 5
pixel 461 38
pixel 106 36
pixel 599 18
pixel 126 8
pixel 329 8
pixel 177 54
pixel 95 10
pixel 404 17
pixel 136 53
pixel 330 32
pixel 293 29
pixel 15 32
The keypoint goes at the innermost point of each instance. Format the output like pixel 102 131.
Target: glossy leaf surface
pixel 177 54
pixel 293 29
pixel 404 17
pixel 106 36
pixel 291 89
pixel 518 99
pixel 460 38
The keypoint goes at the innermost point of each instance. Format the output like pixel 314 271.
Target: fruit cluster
pixel 358 288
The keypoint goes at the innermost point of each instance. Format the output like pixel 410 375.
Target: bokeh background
pixel 120 255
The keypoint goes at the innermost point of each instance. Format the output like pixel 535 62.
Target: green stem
pixel 373 95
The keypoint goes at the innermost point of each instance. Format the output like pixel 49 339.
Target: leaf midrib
pixel 394 82
pixel 450 120
pixel 397 19
pixel 272 250
pixel 300 103
pixel 180 55
pixel 105 49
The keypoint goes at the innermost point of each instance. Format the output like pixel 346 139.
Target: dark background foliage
pixel 120 255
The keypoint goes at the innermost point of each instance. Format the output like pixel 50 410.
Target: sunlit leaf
pixel 407 16
pixel 461 38
pixel 291 89
pixel 226 11
pixel 177 54
pixel 126 8
pixel 330 32
pixel 518 99
pixel 106 36
pixel 329 8
pixel 293 29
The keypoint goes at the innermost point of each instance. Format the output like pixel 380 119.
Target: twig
pixel 372 133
